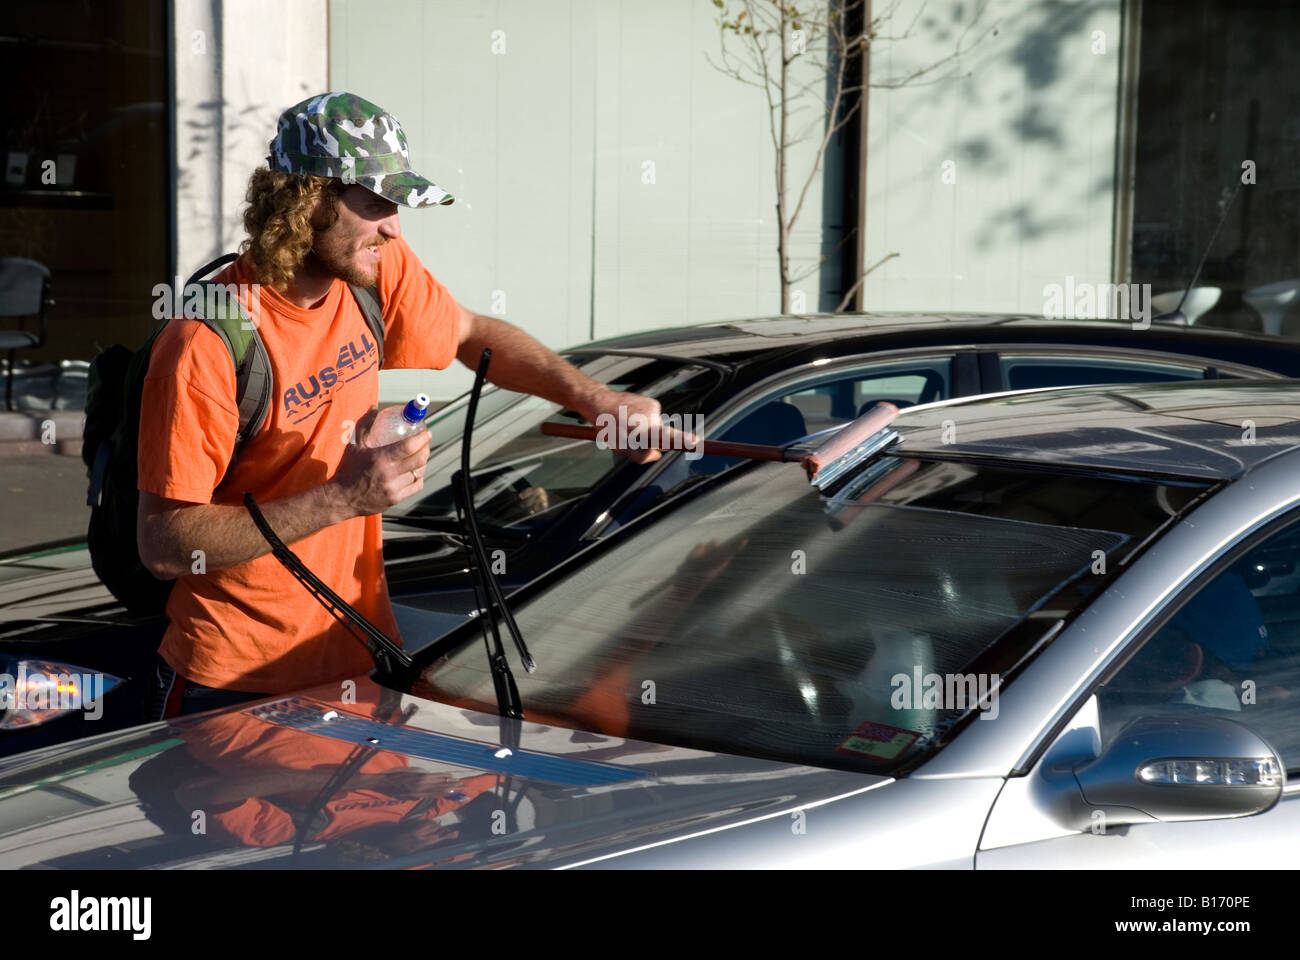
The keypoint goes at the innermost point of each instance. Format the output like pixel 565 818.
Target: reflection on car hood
pixel 353 775
pixel 52 582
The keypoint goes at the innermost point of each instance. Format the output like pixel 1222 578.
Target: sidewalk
pixel 42 478
pixel 30 433
pixel 44 499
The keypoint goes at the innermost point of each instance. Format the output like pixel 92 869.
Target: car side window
pixel 839 401
pixel 789 411
pixel 1034 372
pixel 794 411
pixel 1231 650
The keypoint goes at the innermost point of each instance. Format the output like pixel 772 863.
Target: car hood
pixel 354 774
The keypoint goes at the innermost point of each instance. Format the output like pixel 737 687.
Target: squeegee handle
pixel 674 440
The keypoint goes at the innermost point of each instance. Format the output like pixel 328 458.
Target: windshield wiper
pixel 487 592
pixel 382 649
pixel 454 526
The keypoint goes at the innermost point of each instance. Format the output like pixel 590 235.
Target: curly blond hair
pixel 278 221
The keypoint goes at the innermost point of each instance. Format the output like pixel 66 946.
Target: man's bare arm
pixel 368 481
pixel 521 363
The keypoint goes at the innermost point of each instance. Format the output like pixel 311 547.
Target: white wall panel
pixel 1031 132
pixel 545 147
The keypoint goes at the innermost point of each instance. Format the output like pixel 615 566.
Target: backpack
pixel 110 438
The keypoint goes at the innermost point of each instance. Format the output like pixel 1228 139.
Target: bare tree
pixel 802 54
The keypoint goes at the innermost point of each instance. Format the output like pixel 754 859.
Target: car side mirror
pixel 1178 768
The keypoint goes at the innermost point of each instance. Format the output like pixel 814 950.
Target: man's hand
pixel 630 409
pixel 172 534
pixel 410 782
pixel 370 480
pixel 535 499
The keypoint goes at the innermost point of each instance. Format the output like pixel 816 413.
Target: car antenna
pixel 487 592
pixel 1176 314
pixel 382 649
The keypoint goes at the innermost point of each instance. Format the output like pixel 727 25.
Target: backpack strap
pixel 207 268
pixel 372 308
pixel 253 380
pixel 225 316
pixel 252 365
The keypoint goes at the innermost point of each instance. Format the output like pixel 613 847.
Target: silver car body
pixel 567 799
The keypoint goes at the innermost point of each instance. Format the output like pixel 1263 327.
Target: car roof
pixel 1195 429
pixel 751 340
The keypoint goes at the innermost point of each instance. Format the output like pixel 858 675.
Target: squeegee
pixel 850 445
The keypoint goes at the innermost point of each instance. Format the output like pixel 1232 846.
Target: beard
pixel 335 254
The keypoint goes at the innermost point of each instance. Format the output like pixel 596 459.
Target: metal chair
pixel 24 292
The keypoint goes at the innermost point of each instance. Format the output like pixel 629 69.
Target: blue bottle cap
pixel 415 411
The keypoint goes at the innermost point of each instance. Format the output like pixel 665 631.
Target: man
pixel 324 214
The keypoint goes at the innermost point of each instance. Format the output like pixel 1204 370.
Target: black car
pixel 769 381
pixel 540 499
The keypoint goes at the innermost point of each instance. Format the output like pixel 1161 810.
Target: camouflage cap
pixel 341 135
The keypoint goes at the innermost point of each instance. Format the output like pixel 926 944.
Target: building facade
pixel 609 178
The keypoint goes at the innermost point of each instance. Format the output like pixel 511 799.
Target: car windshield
pixel 524 480
pixel 761 618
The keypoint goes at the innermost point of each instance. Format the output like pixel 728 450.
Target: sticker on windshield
pixel 878 740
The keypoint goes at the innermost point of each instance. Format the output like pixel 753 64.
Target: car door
pixel 1228 647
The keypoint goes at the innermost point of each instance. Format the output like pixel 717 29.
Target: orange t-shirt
pixel 262 822
pixel 253 627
